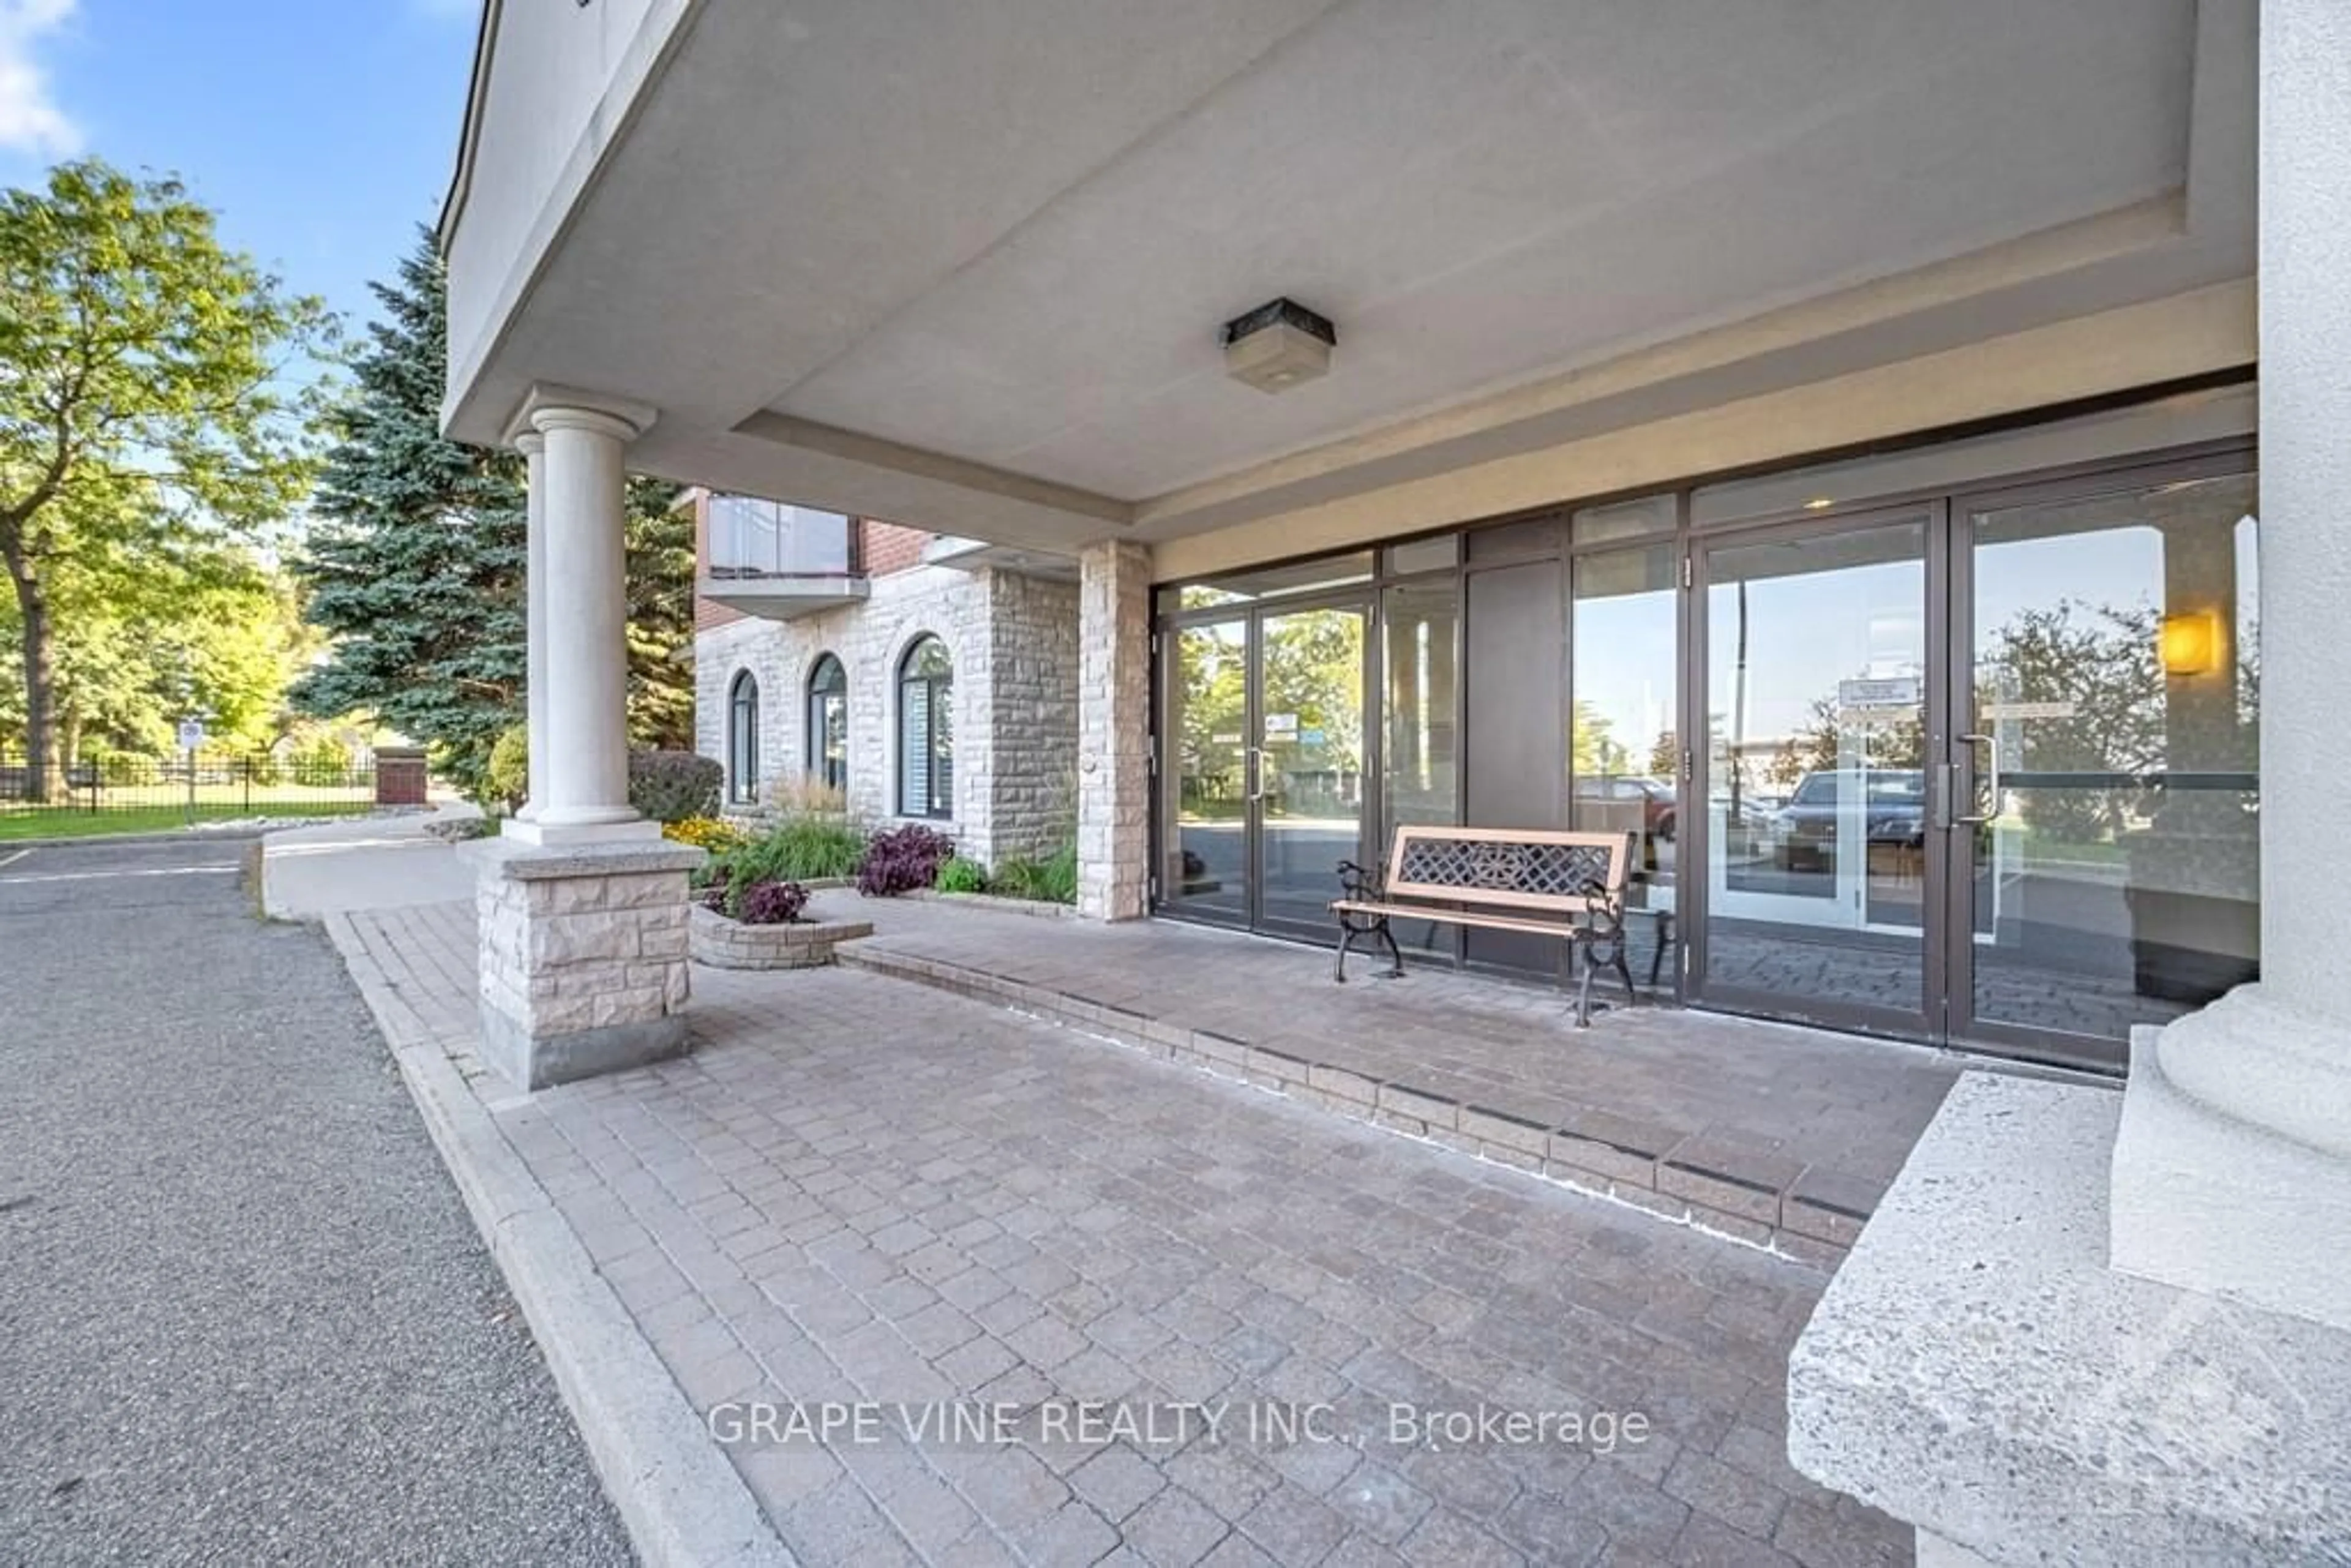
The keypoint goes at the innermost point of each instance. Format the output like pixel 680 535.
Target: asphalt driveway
pixel 243 1316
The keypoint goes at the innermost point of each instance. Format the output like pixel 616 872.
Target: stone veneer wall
pixel 584 957
pixel 1014 641
pixel 1114 731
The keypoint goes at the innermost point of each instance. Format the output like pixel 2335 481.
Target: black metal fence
pixel 209 787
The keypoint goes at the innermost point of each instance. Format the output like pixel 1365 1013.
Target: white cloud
pixel 30 120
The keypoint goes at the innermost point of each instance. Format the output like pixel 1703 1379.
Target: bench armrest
pixel 1359 882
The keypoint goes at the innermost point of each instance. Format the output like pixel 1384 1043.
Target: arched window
pixel 743 740
pixel 828 724
pixel 926 730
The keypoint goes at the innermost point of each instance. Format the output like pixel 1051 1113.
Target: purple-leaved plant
pixel 772 903
pixel 903 860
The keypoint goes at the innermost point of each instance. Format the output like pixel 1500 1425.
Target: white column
pixel 2280 1052
pixel 533 447
pixel 2233 1173
pixel 583 746
pixel 1113 731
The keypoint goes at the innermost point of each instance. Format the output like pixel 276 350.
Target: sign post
pixel 192 738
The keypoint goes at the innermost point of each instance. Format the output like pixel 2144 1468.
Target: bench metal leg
pixel 1346 940
pixel 1396 954
pixel 1583 988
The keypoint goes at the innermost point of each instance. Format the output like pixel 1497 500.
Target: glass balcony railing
pixel 749 537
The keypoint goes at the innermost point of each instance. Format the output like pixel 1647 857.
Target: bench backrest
pixel 1523 868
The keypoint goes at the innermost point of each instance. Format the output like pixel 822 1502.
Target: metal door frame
pixel 1695 818
pixel 1364 600
pixel 1962 1028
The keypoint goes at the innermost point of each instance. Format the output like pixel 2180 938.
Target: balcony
pixel 777 561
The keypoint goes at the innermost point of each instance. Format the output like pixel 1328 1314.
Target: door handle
pixel 1256 772
pixel 1991 779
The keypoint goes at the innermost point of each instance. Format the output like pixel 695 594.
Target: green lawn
pixel 213 805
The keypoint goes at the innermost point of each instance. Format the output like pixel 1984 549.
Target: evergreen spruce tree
pixel 415 565
pixel 660 617
pixel 417 562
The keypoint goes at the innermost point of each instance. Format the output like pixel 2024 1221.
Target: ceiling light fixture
pixel 1277 345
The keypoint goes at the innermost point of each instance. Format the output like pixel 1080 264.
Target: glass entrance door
pixel 1266 712
pixel 1983 771
pixel 1820 712
pixel 1307 798
pixel 2106 837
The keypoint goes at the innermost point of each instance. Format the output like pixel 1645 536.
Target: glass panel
pixel 1423 627
pixel 2117 880
pixel 942 747
pixel 1627 758
pixel 1425 555
pixel 829 729
pixel 1816 665
pixel 913 747
pixel 1261 582
pixel 749 536
pixel 2214 414
pixel 1623 520
pixel 1311 768
pixel 744 727
pixel 1205 871
pixel 1535 536
pixel 928 658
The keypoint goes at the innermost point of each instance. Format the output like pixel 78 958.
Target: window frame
pixel 743 738
pixel 822 696
pixel 938 721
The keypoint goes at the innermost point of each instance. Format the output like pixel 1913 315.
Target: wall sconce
pixel 2190 642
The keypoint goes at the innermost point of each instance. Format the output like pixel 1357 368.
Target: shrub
pixel 903 860
pixel 960 876
pixel 1053 880
pixel 1060 876
pixel 771 902
pixel 324 762
pixel 670 785
pixel 507 779
pixel 803 849
pixel 799 795
pixel 713 833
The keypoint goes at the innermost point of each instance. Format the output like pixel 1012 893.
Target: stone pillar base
pixel 2206 1202
pixel 583 956
pixel 1977 1370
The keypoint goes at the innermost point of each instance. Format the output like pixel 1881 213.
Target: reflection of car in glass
pixel 1655 797
pixel 1894 807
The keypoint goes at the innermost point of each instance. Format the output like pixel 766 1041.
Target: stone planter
pixel 725 944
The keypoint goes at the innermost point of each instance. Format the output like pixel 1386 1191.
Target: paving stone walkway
pixel 862 1190
pixel 1776 1134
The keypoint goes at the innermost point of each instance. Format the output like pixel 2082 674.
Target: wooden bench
pixel 1565 885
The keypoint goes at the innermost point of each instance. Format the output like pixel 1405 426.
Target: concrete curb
pixel 680 1497
pixel 116 841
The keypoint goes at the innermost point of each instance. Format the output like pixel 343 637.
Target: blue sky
pixel 321 130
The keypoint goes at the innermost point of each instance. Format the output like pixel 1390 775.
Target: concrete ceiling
pixel 1482 191
pixel 913 254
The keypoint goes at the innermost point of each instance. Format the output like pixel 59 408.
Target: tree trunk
pixel 43 781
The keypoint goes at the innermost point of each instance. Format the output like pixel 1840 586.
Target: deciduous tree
pixel 148 407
